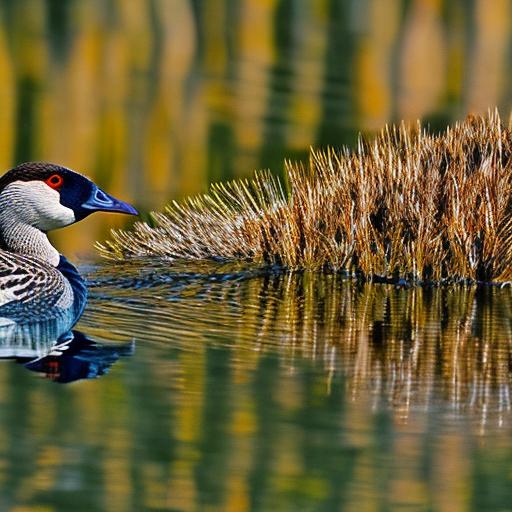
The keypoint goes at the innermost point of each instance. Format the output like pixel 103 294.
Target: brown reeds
pixel 408 205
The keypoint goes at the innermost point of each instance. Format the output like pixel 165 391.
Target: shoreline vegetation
pixel 408 207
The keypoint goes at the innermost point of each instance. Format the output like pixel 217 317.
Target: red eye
pixel 55 181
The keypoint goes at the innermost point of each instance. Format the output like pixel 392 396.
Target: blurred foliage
pixel 156 99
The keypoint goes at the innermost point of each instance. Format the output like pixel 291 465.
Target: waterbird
pixel 35 280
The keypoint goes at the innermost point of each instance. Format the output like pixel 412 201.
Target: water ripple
pixel 404 350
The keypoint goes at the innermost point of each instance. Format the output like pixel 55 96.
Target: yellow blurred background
pixel 155 99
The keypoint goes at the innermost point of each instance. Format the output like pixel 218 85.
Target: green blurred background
pixel 154 99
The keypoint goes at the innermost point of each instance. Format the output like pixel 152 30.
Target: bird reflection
pixel 77 358
pixel 60 355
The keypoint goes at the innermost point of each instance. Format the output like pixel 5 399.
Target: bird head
pixel 48 196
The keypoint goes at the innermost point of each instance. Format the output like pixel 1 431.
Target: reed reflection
pixel 403 349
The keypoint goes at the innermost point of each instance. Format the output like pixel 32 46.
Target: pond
pixel 215 386
pixel 231 388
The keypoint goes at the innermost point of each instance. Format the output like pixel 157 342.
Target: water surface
pixel 250 390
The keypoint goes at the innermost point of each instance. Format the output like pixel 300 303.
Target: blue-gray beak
pixel 100 201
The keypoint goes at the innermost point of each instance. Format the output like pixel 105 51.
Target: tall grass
pixel 407 205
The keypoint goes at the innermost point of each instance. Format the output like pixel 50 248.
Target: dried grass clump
pixel 408 205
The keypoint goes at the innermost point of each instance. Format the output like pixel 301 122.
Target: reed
pixel 408 205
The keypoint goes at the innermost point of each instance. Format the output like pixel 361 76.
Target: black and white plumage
pixel 35 280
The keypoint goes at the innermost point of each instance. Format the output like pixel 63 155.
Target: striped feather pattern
pixel 25 280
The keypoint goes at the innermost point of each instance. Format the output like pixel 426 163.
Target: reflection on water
pixel 48 347
pixel 253 390
pixel 76 357
pixel 32 339
pixel 258 391
pixel 406 349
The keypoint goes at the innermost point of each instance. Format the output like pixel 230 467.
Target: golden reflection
pixel 492 37
pixel 406 349
pixel 373 64
pixel 422 72
pixel 304 387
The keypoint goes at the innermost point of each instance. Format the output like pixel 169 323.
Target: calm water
pixel 234 389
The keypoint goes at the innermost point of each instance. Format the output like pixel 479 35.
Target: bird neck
pixel 27 240
pixel 77 283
